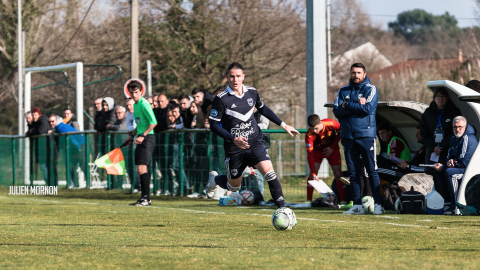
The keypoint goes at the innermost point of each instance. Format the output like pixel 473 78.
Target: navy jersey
pixel 236 113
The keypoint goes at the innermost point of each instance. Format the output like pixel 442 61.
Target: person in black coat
pixel 436 131
pixel 39 126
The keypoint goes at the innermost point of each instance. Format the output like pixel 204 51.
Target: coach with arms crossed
pixel 355 107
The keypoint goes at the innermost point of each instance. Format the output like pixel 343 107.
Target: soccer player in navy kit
pixel 243 139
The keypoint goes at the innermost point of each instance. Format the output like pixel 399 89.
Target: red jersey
pixel 316 143
pixel 328 137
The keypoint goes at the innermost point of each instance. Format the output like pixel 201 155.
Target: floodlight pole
pixel 149 78
pixel 20 70
pixel 134 41
pixel 317 64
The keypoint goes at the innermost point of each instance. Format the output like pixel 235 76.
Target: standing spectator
pixel 355 106
pixel 121 123
pixel 131 125
pixel 155 100
pixel 436 131
pixel 29 118
pixel 150 100
pixel 99 115
pixel 462 147
pixel 70 119
pixel 161 114
pixel 185 111
pixel 108 105
pixel 175 121
pixel 204 101
pixel 39 126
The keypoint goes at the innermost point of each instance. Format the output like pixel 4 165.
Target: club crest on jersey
pixel 234 172
pixel 213 112
pixel 309 145
pixel 250 101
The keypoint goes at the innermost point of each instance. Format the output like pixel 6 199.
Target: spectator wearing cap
pixel 70 119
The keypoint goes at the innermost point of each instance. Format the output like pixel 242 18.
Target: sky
pixel 458 8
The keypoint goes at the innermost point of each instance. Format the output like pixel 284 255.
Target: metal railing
pixel 180 163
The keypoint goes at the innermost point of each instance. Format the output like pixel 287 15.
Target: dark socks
pixel 145 182
pixel 221 181
pixel 276 192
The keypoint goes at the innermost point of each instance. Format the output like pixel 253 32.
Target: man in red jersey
pixel 322 142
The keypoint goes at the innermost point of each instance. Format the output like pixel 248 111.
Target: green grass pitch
pixel 97 229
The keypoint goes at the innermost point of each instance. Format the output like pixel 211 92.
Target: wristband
pixel 141 135
pixel 283 124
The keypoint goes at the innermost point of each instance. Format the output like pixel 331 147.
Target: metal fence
pixel 180 163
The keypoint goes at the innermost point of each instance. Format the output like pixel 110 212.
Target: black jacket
pixel 99 118
pixel 207 101
pixel 161 116
pixel 187 118
pixel 39 127
pixel 428 124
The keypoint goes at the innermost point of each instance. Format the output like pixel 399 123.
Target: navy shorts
pixel 236 161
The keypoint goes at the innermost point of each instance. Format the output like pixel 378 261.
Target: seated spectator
pixel 39 125
pixel 175 121
pixel 109 117
pixel 462 147
pixel 121 123
pixel 99 114
pixel 418 159
pixel 185 111
pixel 203 102
pixel 131 125
pixel 474 85
pixel 150 100
pixel 436 131
pixel 397 149
pixel 161 114
pixel 70 119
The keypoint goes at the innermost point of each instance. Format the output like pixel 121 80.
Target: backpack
pixel 392 193
pixel 412 202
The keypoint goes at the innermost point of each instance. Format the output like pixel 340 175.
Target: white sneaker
pixel 211 185
pixel 355 210
pixel 378 210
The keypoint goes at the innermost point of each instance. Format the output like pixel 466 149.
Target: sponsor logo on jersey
pixel 309 145
pixel 234 172
pixel 243 130
pixel 138 120
pixel 234 106
pixel 250 101
pixel 347 97
pixel 213 112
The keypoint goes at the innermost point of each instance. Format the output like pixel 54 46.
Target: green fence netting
pixel 180 163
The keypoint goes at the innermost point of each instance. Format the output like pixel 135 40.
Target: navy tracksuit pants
pixel 448 183
pixel 365 149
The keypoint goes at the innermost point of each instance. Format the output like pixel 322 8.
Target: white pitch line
pixel 311 219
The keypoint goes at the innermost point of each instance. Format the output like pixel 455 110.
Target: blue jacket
pixel 357 121
pixel 461 149
pixel 77 140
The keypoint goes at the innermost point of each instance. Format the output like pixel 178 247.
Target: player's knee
pixel 270 175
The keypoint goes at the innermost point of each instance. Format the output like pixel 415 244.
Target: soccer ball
pixel 284 219
pixel 397 205
pixel 248 197
pixel 330 197
pixel 368 204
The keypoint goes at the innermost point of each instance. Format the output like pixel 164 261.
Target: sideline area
pixel 177 232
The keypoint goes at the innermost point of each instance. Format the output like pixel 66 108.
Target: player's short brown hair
pixel 313 120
